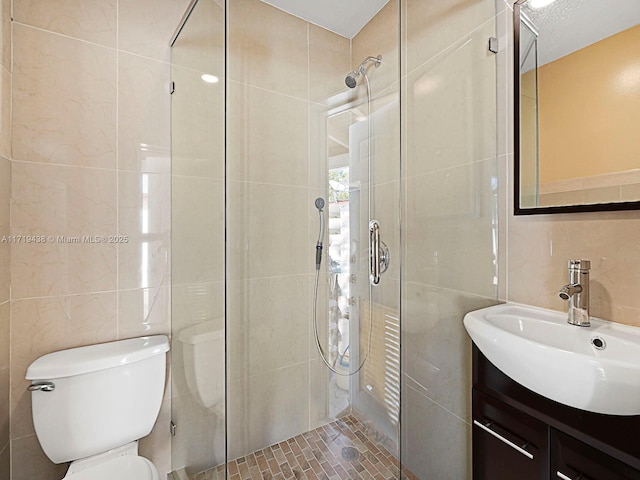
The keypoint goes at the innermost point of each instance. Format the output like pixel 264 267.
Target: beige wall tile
pixel 5 112
pixel 5 34
pixel 434 26
pixel 197 230
pixel 143 112
pixel 64 98
pixel 4 374
pixel 261 149
pixel 267 242
pixel 145 28
pixel 264 411
pixel 437 444
pixel 62 201
pixel 144 218
pixel 28 461
pixel 451 107
pixel 329 63
pixel 5 248
pixel 198 123
pixel 201 43
pixel 268 48
pixel 379 37
pixel 264 333
pixel 143 312
pixel 5 461
pixel 46 325
pixel 91 20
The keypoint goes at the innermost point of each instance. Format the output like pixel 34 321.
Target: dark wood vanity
pixel 518 434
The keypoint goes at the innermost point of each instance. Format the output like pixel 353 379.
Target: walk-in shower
pixel 289 198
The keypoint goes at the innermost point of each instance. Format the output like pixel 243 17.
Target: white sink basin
pixel 538 349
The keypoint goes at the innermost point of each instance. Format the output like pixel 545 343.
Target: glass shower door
pixel 198 300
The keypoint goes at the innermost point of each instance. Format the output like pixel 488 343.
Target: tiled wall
pixel 536 248
pixel 5 248
pixel 90 156
pixel 281 71
pixel 449 223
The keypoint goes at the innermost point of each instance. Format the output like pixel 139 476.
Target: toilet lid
pixel 126 467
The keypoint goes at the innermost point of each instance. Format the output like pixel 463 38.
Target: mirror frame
pixel 517 209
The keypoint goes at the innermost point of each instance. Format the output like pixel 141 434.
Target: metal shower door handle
pixel 374 252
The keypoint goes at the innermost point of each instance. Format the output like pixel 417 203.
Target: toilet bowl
pixel 90 405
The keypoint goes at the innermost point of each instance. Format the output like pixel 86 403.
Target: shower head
pixel 319 203
pixel 351 79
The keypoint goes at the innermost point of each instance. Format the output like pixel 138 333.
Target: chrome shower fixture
pixel 352 78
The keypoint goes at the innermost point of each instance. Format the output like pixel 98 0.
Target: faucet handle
pixel 579 264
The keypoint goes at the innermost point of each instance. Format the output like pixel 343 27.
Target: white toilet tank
pixel 104 396
pixel 204 363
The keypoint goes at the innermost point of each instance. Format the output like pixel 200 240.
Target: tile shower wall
pixel 281 71
pixel 449 223
pixel 537 248
pixel 5 248
pixel 89 157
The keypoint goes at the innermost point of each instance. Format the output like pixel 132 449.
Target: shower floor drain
pixel 350 453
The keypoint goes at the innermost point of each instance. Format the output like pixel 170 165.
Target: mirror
pixel 577 105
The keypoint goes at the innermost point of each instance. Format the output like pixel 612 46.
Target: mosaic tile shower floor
pixel 337 451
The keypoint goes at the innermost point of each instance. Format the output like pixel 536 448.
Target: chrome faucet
pixel 577 293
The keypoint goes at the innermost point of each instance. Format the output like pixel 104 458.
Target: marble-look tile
pixel 145 311
pixel 55 201
pixel 45 325
pixel 198 125
pixel 157 445
pixel 4 374
pixel 436 350
pixel 5 112
pixel 29 462
pixel 450 229
pixel 379 37
pixel 201 44
pixel 64 100
pixel 5 34
pixel 144 224
pixel 264 411
pixel 91 20
pixel 145 28
pixel 199 443
pixel 267 230
pixel 434 26
pixel 5 461
pixel 542 245
pixel 261 149
pixel 330 61
pixel 5 209
pixel 451 107
pixel 436 444
pixel 268 48
pixel 265 333
pixel 197 230
pixel 143 112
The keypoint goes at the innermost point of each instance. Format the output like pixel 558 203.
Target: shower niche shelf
pixel 518 434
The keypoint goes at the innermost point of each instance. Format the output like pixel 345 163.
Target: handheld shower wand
pixel 320 206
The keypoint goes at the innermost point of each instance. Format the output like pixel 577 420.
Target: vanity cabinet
pixel 518 434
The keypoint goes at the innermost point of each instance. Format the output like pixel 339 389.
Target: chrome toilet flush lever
pixel 577 293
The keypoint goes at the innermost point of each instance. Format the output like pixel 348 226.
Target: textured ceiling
pixel 344 17
pixel 566 26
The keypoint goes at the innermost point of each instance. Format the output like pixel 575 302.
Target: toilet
pixel 203 355
pixel 92 404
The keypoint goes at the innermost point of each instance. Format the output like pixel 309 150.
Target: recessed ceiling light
pixel 209 78
pixel 540 3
